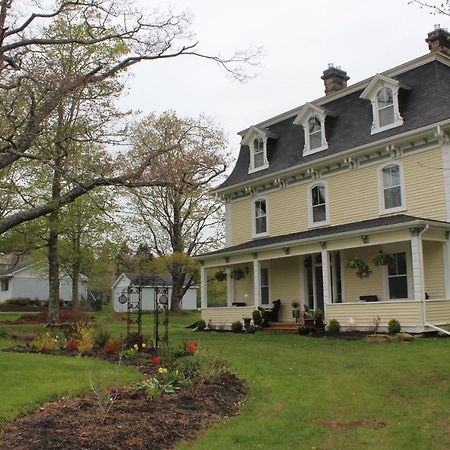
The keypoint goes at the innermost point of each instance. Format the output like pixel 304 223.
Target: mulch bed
pixel 134 422
pixel 65 316
pixel 5 307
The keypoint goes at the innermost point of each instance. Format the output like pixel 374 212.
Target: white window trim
pixel 400 247
pixel 252 168
pixel 371 92
pixel 266 233
pixel 308 111
pixel 311 223
pixel 397 209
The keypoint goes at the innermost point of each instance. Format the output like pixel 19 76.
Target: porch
pixel 412 287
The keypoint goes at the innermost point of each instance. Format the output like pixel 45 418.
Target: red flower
pixel 155 360
pixel 193 346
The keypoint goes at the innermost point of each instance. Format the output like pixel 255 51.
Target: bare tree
pixel 436 7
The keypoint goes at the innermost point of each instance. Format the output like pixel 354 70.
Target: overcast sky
pixel 299 39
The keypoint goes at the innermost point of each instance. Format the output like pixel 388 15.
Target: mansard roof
pixel 349 120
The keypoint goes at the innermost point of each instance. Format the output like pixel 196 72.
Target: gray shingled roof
pixel 319 233
pixel 149 280
pixel 426 103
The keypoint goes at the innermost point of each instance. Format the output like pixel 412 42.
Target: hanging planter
pixel 362 269
pixel 383 259
pixel 220 275
pixel 237 274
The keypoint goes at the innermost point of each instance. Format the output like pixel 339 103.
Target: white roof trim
pixel 308 110
pixel 256 130
pixel 122 275
pixel 378 81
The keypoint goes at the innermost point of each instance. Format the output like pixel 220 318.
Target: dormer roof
pixel 310 109
pixel 379 81
pixel 257 131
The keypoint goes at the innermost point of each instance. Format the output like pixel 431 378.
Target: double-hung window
pixel 258 153
pixel 392 195
pixel 264 286
pixel 385 103
pixel 260 210
pixel 315 132
pixel 397 277
pixel 318 205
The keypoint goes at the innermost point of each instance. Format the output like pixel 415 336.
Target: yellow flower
pixel 144 345
pixel 162 370
pixel 135 346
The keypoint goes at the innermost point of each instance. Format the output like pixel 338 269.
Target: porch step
pixel 280 327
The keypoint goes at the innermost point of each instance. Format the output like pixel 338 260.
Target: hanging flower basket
pixel 220 275
pixel 237 274
pixel 362 269
pixel 383 259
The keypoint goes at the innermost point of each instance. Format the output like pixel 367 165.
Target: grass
pixel 294 381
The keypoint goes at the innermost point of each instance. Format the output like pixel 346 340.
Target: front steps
pixel 282 328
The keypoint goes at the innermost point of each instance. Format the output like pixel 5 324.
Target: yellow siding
pixel 434 269
pixel 353 196
pixel 409 313
pixel 438 312
pixel 354 286
pixel 285 285
pixel 226 316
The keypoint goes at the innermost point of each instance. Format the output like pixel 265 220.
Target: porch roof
pixel 317 234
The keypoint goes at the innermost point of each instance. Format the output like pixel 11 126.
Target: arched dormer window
pixel 383 95
pixel 392 196
pixel 318 205
pixel 256 139
pixel 385 105
pixel 312 119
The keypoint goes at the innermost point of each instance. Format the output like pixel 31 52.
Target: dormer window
pixel 312 119
pixel 256 140
pixel 383 94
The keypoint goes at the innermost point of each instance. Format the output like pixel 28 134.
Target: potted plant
pixel 308 318
pixel 318 318
pixel 220 275
pixel 362 269
pixel 383 259
pixel 237 274
pixel 295 311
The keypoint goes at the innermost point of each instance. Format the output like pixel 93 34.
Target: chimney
pixel 334 79
pixel 439 40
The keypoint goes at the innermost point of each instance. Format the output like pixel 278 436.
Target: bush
pixel 46 342
pixel 72 344
pixel 257 318
pixel 211 326
pixel 86 335
pixel 113 347
pixel 236 327
pixel 334 326
pixel 201 325
pixel 394 326
pixel 101 336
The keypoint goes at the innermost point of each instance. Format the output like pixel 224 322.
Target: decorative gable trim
pixel 306 113
pixel 253 134
pixel 376 85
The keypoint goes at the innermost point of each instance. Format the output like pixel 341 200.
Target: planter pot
pixel 309 324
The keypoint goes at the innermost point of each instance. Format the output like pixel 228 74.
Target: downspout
pixel 424 305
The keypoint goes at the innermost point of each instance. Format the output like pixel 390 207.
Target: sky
pixel 299 38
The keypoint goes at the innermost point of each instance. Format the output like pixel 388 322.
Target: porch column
pixel 230 287
pixel 326 275
pixel 203 287
pixel 256 282
pixel 417 264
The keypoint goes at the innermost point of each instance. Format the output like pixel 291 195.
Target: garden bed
pixel 134 422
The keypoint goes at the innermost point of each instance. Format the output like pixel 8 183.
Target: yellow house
pixel 343 203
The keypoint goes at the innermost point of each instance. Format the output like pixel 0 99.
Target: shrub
pixel 334 326
pixel 236 327
pixel 72 344
pixel 113 347
pixel 394 326
pixel 257 318
pixel 4 333
pixel 201 325
pixel 46 342
pixel 101 336
pixel 211 326
pixel 130 354
pixel 86 336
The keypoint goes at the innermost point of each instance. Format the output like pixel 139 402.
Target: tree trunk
pixel 53 269
pixel 76 268
pixel 177 291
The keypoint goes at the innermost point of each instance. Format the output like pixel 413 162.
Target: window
pixel 315 132
pixel 391 181
pixel 260 217
pixel 258 153
pixel 4 285
pixel 397 277
pixel 318 205
pixel 383 94
pixel 264 286
pixel 385 102
pixel 312 119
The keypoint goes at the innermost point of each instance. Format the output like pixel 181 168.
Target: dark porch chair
pixel 271 315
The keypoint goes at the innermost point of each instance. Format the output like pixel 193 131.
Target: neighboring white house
pixel 30 280
pixel 120 286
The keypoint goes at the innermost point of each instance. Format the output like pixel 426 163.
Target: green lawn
pixel 294 382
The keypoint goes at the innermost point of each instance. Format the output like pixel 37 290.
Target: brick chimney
pixel 334 79
pixel 439 40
